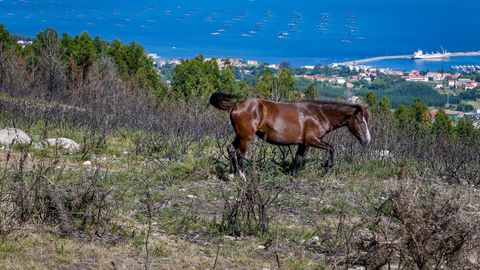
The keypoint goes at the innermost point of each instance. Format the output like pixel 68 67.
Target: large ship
pixel 420 55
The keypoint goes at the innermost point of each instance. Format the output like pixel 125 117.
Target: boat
pixel 421 55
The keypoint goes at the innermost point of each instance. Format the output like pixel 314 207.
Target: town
pixel 461 88
pixel 441 80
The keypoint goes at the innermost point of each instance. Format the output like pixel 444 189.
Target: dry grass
pixel 317 223
pixel 37 249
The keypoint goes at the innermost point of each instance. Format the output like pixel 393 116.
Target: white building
pixel 340 81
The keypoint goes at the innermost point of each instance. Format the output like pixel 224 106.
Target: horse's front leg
pixel 318 143
pixel 328 163
pixel 298 162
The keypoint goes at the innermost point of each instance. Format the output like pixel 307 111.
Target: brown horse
pixel 302 123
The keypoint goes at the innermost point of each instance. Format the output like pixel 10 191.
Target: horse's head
pixel 358 125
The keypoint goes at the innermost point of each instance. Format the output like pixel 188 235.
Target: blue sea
pixel 302 32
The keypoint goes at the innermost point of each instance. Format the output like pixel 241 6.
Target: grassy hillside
pixel 158 197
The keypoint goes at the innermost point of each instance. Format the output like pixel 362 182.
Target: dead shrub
pixel 251 209
pixel 35 191
pixel 435 227
pixel 421 226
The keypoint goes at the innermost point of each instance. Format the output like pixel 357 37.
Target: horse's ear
pixel 366 113
pixel 358 112
pixel 361 112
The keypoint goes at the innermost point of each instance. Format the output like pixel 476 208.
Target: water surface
pixel 302 32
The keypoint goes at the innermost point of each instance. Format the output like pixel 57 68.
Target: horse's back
pixel 276 122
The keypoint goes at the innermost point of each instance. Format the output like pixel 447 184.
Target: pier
pixel 378 58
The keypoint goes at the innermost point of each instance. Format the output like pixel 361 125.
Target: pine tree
pixel 228 82
pixel 384 107
pixel 100 45
pixel 285 85
pixel 419 113
pixel 118 51
pixel 244 89
pixel 442 125
pixel 311 92
pixel 265 84
pixel 67 48
pixel 84 52
pixel 371 100
pixel 197 78
pixel 6 40
pixel 465 128
pixel 401 114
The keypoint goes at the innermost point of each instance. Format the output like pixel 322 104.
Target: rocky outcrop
pixel 11 136
pixel 64 143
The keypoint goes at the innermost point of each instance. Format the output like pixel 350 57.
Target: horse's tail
pixel 223 101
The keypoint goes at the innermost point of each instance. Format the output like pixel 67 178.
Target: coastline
pixel 393 62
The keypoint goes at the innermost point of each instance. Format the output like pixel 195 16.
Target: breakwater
pixel 379 58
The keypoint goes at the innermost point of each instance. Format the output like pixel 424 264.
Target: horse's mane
pixel 341 104
pixel 335 103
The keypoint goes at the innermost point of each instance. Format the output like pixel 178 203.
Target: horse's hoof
pixel 231 176
pixel 327 165
pixel 242 175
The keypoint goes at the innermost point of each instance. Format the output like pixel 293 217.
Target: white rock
pixel 357 268
pixel 9 136
pixel 381 153
pixel 65 143
pixel 87 163
pixel 191 196
pixel 473 257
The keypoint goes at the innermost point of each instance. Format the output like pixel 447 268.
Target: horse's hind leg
pixel 232 149
pixel 241 152
pixel 298 162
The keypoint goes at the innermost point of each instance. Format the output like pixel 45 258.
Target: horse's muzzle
pixel 366 141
